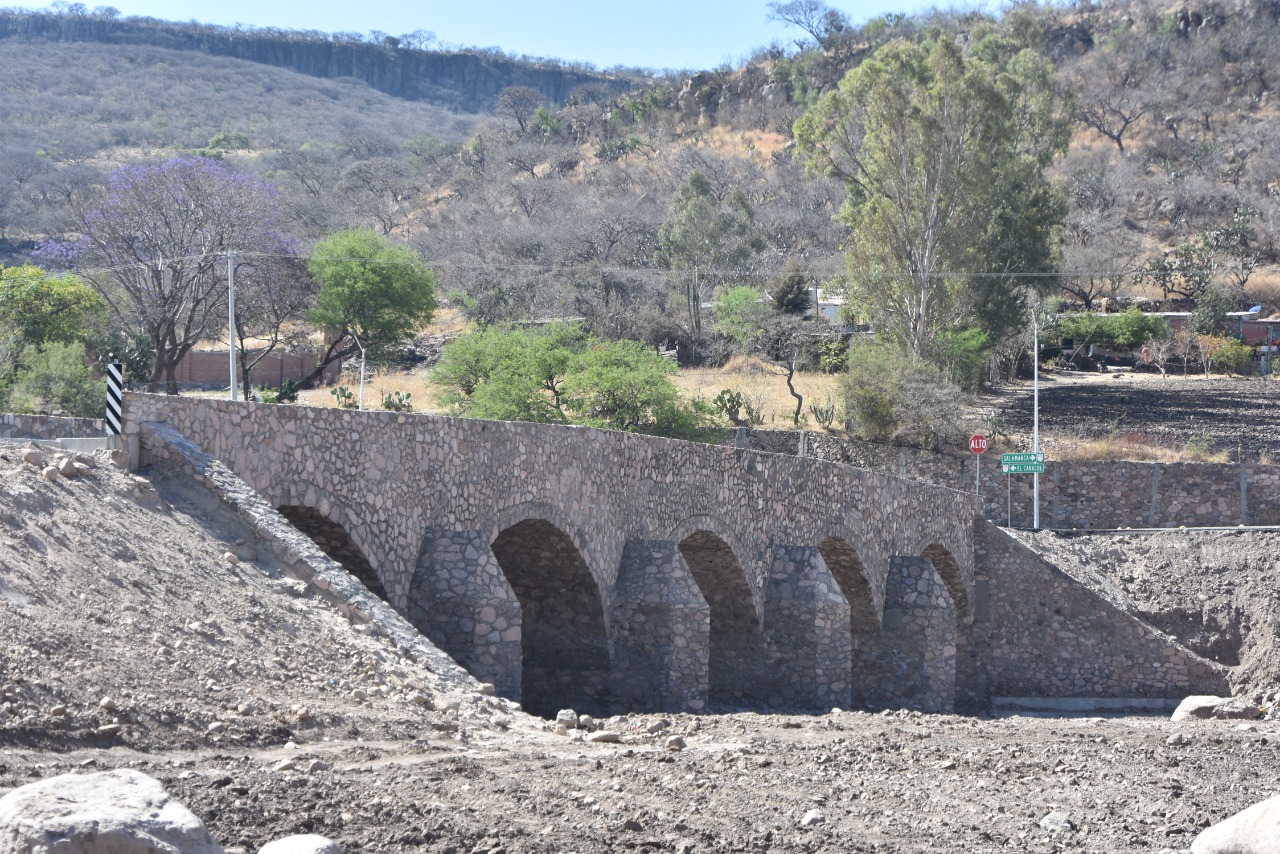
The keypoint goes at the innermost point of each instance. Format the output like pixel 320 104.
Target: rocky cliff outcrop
pixel 459 80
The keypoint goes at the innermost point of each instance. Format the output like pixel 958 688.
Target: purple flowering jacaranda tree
pixel 156 248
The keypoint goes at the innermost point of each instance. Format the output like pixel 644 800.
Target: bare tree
pixel 273 293
pixel 156 248
pixel 519 103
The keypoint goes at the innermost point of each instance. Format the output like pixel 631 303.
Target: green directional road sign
pixel 1011 459
pixel 1021 468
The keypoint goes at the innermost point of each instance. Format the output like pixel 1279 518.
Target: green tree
pixel 943 151
pixel 793 293
pixel 740 313
pixel 372 295
pixel 41 307
pixel 54 379
pixel 560 374
pixel 1210 314
pixel 705 238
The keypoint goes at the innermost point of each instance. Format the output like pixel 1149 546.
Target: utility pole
pixel 231 318
pixel 1035 415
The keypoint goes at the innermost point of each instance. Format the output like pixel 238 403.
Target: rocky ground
pixel 1235 414
pixel 137 629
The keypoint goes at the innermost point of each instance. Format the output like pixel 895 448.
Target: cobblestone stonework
pixel 1039 632
pixel 1100 494
pixel 612 572
pixel 914 655
pixel 50 426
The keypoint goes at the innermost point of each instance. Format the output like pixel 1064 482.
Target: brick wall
pixel 211 368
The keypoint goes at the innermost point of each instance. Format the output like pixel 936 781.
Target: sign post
pixel 977 443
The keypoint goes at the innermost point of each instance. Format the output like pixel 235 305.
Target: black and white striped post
pixel 115 392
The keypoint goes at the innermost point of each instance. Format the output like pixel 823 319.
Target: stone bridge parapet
pixel 606 570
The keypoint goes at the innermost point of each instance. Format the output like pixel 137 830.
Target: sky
pixel 657 34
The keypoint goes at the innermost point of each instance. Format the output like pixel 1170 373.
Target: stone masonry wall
pixel 1039 632
pixel 49 426
pixel 1072 494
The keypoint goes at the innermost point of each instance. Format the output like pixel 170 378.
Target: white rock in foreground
pixel 113 812
pixel 1205 707
pixel 304 843
pixel 1255 830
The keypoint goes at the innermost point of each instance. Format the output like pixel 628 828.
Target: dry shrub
pixel 748 366
pixel 1265 291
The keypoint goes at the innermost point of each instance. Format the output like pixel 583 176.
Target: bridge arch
pixel 335 539
pixel 948 569
pixel 735 654
pixel 865 602
pixel 566 657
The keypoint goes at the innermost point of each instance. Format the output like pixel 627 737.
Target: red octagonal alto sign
pixel 977 443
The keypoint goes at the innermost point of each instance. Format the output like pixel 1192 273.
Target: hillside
pixel 530 214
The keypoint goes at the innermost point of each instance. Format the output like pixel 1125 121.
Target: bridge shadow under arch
pixel 334 541
pixel 564 644
pixel 736 643
pixel 949 571
pixel 865 618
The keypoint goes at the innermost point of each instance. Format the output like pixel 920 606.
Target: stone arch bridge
pixel 607 571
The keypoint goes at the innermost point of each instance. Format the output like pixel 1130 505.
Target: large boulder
pixel 1204 707
pixel 303 843
pixel 1255 830
pixel 112 812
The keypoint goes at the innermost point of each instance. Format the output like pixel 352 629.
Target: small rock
pixel 216 727
pixel 568 717
pixel 246 709
pixel 306 843
pixel 1177 739
pixel 58 711
pixel 587 722
pixel 110 729
pixel 284 765
pixel 67 468
pixel 107 704
pixel 49 473
pixel 946 765
pixel 561 729
pixel 658 726
pixel 230 557
pixel 487 689
pixel 632 825
pixel 33 457
pixel 604 737
pixel 1057 822
pixel 315 765
pixel 675 743
pixel 813 817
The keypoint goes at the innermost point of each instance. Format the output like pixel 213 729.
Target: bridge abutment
pixel 911 663
pixel 460 599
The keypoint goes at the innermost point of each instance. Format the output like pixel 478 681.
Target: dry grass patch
pixel 1133 447
pixel 763 385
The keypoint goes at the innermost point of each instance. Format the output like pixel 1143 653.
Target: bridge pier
pixel 911 663
pixel 806 623
pixel 661 629
pixel 460 599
